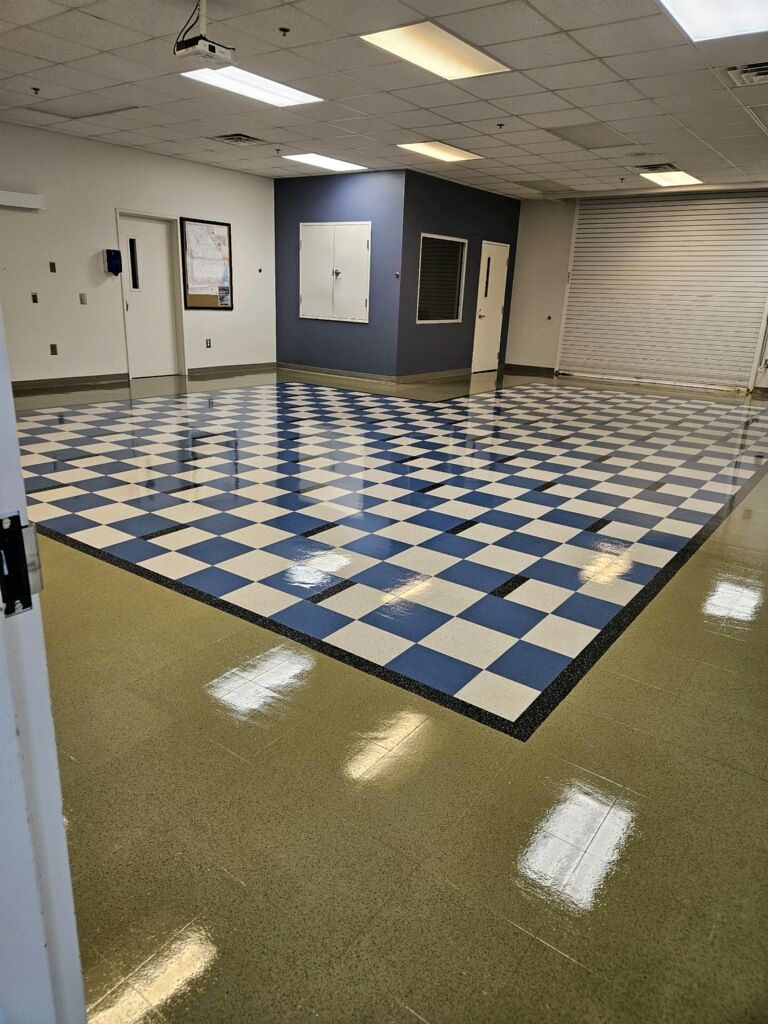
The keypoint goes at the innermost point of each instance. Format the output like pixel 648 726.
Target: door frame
pixel 508 247
pixel 174 251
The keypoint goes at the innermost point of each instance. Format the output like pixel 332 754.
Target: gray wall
pixel 327 344
pixel 440 207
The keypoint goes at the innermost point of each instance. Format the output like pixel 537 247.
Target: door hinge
pixel 368 244
pixel 20 574
pixel 366 303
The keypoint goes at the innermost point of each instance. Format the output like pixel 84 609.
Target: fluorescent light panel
pixel 435 50
pixel 718 19
pixel 254 86
pixel 667 178
pixel 328 163
pixel 439 151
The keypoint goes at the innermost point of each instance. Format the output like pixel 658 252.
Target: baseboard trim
pixel 760 392
pixel 380 378
pixel 237 370
pixel 96 380
pixel 525 370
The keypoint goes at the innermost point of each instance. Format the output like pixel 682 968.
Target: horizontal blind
pixel 669 288
pixel 440 270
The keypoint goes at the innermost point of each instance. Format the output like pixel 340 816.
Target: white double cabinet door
pixel 334 271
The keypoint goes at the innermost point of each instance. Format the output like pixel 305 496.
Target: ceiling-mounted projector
pixel 200 48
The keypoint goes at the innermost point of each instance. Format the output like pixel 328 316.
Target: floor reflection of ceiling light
pixel 269 676
pixel 606 566
pixel 397 737
pixel 186 958
pixel 564 869
pixel 729 600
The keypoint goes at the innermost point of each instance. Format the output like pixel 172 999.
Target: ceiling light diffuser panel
pixel 718 19
pixel 254 86
pixel 435 50
pixel 328 163
pixel 439 151
pixel 667 178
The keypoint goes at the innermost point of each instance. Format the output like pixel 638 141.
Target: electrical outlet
pixel 35 298
pixel 207 342
pixel 83 299
pixel 54 350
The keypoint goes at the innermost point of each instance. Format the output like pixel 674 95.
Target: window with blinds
pixel 441 279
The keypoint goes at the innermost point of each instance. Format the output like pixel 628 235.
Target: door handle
pixel 481 316
pixel 337 273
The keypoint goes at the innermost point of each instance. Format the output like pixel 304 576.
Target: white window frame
pixel 335 224
pixel 445 238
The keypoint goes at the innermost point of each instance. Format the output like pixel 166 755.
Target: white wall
pixel 541 273
pixel 84 182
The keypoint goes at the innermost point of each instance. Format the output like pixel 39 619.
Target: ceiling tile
pixel 590 136
pixel 675 85
pixel 39 44
pixel 558 118
pixel 720 100
pixel 566 76
pixel 382 103
pixel 25 84
pixel 72 78
pixel 668 61
pixel 282 66
pixel 395 76
pixel 24 12
pixel 630 36
pixel 266 25
pixel 435 95
pixel 82 28
pixel 614 111
pixel 542 51
pixel 736 49
pixel 115 68
pixel 506 83
pixel 153 17
pixel 356 18
pixel 344 54
pixel 331 86
pixel 498 24
pixel 18 63
pixel 418 118
pixel 583 13
pixel 591 95
pixel 470 111
pixel 533 104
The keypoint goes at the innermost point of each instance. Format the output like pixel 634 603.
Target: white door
pixel 150 314
pixel 40 976
pixel 351 251
pixel 316 271
pixel 491 289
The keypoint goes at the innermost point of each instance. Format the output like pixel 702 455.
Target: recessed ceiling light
pixel 667 178
pixel 439 151
pixel 717 19
pixel 435 50
pixel 328 163
pixel 257 88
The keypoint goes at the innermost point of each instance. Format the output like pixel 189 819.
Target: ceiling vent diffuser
pixel 748 74
pixel 238 139
pixel 654 168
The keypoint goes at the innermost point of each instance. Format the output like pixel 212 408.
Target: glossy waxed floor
pixel 258 833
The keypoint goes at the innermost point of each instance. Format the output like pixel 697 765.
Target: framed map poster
pixel 206 259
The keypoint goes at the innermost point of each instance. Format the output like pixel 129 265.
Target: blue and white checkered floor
pixel 471 549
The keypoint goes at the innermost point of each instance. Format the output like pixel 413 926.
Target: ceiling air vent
pixel 237 139
pixel 748 74
pixel 654 168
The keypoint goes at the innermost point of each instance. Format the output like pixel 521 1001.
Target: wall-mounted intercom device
pixel 113 261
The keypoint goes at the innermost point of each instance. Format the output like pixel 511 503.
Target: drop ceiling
pixel 595 87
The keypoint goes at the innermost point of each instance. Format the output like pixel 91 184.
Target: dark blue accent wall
pixel 440 207
pixel 352 347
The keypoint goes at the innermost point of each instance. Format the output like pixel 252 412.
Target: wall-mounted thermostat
pixel 113 261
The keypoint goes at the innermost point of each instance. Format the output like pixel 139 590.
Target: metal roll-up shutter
pixel 668 288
